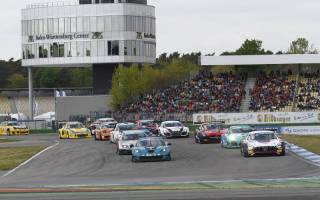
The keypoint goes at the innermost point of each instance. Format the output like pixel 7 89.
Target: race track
pixel 87 162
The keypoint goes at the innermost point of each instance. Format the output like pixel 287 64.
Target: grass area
pixel 11 157
pixel 2 140
pixel 311 143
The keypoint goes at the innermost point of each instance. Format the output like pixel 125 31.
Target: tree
pixel 301 46
pixel 17 81
pixel 251 47
pixel 130 83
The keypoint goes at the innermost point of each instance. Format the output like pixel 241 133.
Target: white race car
pixel 171 129
pixel 128 140
pixel 262 142
pixel 117 132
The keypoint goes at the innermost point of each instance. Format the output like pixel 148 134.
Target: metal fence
pixel 36 124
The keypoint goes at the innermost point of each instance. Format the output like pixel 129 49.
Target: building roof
pixel 260 59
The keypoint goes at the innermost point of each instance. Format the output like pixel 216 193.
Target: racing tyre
pixel 169 158
pixel 283 153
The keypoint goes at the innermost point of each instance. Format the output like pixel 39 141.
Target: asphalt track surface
pixel 87 162
pixel 263 194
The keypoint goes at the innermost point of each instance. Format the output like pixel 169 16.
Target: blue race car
pixel 151 149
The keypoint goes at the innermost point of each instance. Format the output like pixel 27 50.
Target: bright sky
pixel 203 25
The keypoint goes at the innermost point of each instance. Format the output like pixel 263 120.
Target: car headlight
pixel 136 151
pixel 164 150
pixel 166 131
pixel 250 146
pixel 232 138
pixel 125 146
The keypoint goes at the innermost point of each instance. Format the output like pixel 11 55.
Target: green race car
pixel 232 139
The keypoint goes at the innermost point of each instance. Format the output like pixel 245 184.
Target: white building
pixel 89 33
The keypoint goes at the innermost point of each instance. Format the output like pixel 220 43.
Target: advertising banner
pixel 301 130
pixel 259 118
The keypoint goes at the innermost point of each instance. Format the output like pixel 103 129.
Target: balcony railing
pixel 53 4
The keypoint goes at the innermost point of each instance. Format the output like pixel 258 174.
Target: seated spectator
pixel 272 92
pixel 206 93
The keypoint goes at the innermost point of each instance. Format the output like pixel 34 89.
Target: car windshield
pixel 107 126
pixel 241 130
pixel 264 136
pixel 13 124
pixel 76 125
pixel 173 124
pixel 137 136
pixel 212 126
pixel 151 143
pixel 106 120
pixel 127 127
pixel 147 123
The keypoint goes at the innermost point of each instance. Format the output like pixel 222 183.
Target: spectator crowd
pixel 207 92
pixel 272 92
pixel 309 91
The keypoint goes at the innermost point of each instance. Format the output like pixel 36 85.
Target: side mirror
pixel 131 146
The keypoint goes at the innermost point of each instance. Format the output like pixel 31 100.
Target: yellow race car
pixel 74 130
pixel 13 128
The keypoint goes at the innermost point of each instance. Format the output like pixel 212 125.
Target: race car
pixel 151 125
pixel 104 131
pixel 209 132
pixel 98 122
pixel 74 130
pixel 234 136
pixel 151 149
pixel 13 128
pixel 262 142
pixel 129 139
pixel 117 132
pixel 170 129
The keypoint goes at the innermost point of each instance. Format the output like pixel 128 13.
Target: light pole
pixel 30 93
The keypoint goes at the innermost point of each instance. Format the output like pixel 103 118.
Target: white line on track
pixel 32 158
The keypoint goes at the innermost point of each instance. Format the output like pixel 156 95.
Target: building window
pixel 80 51
pixel 61 25
pixel 87 46
pixel 55 25
pixel 45 26
pixel 54 50
pixel 115 48
pixel 100 24
pixel 73 22
pixel 67 25
pixel 101 50
pixel 43 51
pixel 80 24
pixel 94 48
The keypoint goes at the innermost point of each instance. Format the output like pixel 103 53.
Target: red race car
pixel 210 132
pixel 151 125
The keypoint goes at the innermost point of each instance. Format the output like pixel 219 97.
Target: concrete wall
pixel 81 105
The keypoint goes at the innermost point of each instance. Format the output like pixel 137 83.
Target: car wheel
pixel 245 153
pixel 241 151
pixel 169 158
pixel 283 153
pixel 95 137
